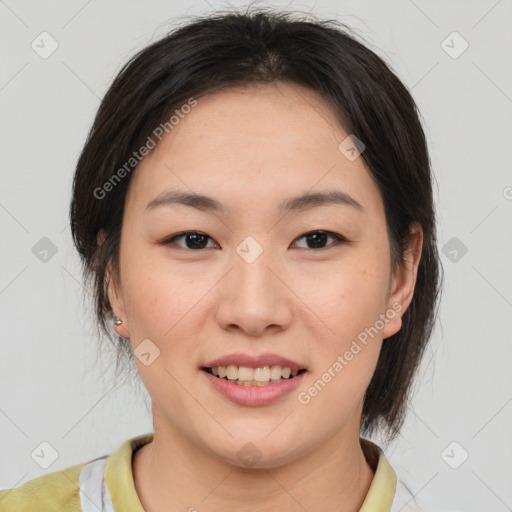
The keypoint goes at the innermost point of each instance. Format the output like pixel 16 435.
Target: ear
pixel 403 281
pixel 117 303
pixel 114 294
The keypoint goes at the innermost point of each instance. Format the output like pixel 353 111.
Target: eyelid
pixel 170 240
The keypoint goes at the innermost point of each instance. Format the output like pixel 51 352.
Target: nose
pixel 254 297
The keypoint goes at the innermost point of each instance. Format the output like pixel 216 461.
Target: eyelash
pixel 338 239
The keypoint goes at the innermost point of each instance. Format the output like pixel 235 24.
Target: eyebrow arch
pixel 302 202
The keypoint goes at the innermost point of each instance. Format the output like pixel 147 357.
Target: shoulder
pixel 48 493
pixel 89 482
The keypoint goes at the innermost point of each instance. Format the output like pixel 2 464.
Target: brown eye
pixel 318 239
pixel 193 240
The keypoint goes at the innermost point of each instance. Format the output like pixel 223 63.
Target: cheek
pixel 156 296
pixel 348 352
pixel 350 304
pixel 162 306
pixel 348 296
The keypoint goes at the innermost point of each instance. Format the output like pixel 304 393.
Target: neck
pixel 170 474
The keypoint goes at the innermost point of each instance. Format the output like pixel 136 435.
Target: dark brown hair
pixel 233 48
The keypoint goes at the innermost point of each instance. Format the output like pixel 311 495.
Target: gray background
pixel 52 387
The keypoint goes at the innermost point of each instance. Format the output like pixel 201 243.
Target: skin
pixel 250 148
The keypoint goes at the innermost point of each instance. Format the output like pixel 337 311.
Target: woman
pixel 253 207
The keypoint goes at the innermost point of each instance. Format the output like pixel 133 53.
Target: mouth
pixel 259 376
pixel 254 380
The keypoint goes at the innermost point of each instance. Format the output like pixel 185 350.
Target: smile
pixel 250 391
pixel 247 376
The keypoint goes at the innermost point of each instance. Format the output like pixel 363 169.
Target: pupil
pixel 318 238
pixel 195 236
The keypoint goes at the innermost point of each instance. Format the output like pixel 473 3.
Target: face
pixel 256 284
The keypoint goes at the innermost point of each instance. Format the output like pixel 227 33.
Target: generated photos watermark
pixel 137 156
pixel 304 397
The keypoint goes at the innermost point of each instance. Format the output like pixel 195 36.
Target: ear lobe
pixel 404 281
pixel 117 304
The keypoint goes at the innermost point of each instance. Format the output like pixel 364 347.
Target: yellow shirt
pixel 106 484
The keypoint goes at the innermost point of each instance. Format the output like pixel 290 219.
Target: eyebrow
pixel 292 204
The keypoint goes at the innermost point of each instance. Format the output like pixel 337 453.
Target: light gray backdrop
pixel 454 453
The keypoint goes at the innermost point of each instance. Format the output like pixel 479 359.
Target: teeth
pixel 261 374
pixel 247 376
pixel 275 372
pixel 243 373
pixel 232 372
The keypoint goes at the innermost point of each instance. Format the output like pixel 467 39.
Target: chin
pixel 259 451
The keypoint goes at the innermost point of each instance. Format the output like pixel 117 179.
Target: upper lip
pixel 255 361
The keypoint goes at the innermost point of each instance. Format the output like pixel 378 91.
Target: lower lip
pixel 253 395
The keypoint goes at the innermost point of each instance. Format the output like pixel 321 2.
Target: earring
pixel 117 321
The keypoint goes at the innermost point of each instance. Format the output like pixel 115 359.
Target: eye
pixel 318 239
pixel 193 239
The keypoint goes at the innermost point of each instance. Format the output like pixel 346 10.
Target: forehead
pixel 254 145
